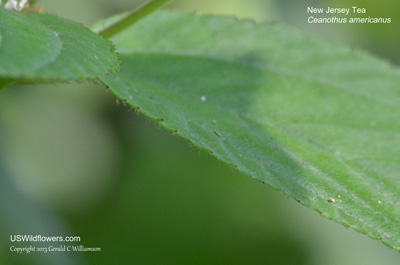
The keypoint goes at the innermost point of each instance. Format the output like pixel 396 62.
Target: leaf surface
pixel 43 47
pixel 318 121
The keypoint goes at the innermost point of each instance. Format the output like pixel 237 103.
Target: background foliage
pixel 76 163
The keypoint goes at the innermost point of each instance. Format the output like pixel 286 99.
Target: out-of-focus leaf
pixel 43 47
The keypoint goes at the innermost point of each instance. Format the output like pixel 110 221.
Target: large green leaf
pixel 318 121
pixel 42 47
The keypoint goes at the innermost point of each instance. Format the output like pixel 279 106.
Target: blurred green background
pixel 74 162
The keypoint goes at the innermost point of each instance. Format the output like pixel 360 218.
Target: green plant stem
pixel 132 18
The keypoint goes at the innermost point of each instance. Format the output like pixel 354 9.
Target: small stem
pixel 132 18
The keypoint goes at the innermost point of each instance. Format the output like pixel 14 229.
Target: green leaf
pixel 42 47
pixel 318 121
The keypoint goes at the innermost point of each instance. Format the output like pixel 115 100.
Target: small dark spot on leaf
pixel 263 182
pixel 380 238
pixel 211 152
pixel 298 201
pixel 162 120
pixel 138 107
